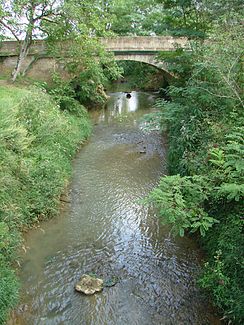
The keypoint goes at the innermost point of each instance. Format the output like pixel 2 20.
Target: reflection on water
pixel 119 106
pixel 124 104
pixel 105 230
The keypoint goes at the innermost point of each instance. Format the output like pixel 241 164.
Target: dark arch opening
pixel 144 76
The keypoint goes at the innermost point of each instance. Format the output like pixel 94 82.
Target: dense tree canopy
pixel 191 18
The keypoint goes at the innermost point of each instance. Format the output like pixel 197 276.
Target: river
pixel 104 229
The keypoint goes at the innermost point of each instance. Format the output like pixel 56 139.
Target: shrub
pixel 205 191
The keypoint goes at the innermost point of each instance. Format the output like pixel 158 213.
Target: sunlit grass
pixel 37 142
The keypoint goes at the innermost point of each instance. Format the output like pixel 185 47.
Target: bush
pixel 205 191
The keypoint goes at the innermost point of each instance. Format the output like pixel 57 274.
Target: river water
pixel 104 229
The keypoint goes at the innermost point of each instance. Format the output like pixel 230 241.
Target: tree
pixel 78 30
pixel 23 20
pixel 138 17
pixel 54 20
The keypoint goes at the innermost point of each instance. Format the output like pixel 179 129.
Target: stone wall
pixel 39 68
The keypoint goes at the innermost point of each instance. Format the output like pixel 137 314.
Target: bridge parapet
pixel 11 48
pixel 143 43
pixel 114 44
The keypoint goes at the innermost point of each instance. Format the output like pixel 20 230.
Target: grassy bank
pixel 37 143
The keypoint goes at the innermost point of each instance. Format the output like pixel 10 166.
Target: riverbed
pixel 104 229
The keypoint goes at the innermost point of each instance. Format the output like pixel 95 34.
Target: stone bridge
pixel 40 64
pixel 142 48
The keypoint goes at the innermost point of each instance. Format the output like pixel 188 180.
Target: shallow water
pixel 105 230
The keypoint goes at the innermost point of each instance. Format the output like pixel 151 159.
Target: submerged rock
pixel 111 282
pixel 89 285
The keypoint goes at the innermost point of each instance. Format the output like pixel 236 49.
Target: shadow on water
pixel 105 230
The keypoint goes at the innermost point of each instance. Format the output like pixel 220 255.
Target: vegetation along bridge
pixel 40 64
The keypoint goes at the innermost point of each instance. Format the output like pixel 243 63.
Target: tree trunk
pixel 25 45
pixel 24 48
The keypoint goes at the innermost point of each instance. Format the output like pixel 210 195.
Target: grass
pixel 37 143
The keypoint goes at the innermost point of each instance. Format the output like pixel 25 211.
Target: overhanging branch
pixel 5 25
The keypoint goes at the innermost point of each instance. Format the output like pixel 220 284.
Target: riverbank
pixel 37 143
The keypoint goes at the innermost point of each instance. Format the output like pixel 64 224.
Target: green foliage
pixel 142 76
pixel 65 96
pixel 191 19
pixel 8 290
pixel 186 18
pixel 89 66
pixel 180 201
pixel 204 121
pixel 139 17
pixel 230 166
pixel 222 275
pixel 215 277
pixel 89 83
pixel 151 121
pixel 37 142
pixel 75 23
pixel 177 17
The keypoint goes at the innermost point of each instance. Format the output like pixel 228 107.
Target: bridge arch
pixel 143 48
pixel 144 58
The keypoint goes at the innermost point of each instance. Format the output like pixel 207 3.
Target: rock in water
pixel 89 285
pixel 111 282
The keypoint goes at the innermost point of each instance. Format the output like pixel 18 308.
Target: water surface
pixel 105 230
